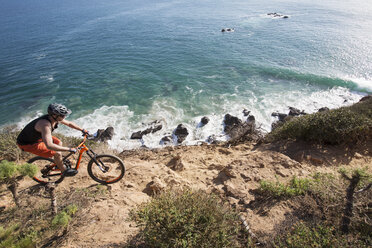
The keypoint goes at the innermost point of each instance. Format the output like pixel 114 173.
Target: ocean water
pixel 127 63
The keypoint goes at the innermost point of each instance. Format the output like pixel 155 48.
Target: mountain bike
pixel 102 168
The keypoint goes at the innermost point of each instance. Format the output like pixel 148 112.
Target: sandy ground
pixel 233 172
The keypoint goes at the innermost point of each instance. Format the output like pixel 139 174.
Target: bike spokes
pixel 106 169
pixel 48 171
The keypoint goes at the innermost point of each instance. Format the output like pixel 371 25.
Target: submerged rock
pixel 246 112
pixel 212 139
pixel 154 127
pixel 204 120
pixel 231 121
pixel 281 116
pixel 324 109
pixel 277 15
pixel 166 140
pixel 181 133
pixel 295 112
pixel 227 30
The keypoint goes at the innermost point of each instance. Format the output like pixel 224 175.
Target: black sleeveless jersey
pixel 29 135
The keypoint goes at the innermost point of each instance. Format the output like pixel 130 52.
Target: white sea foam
pixel 117 117
pixel 125 122
pixel 363 83
pixel 212 76
pixel 49 78
pixel 26 119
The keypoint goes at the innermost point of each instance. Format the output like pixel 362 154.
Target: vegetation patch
pixel 63 218
pixel 276 189
pixel 304 235
pixel 14 237
pixel 331 210
pixel 188 219
pixel 11 173
pixel 8 147
pixel 346 125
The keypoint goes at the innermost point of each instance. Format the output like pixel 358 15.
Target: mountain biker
pixel 36 137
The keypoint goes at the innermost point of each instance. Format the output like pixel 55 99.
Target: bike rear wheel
pixel 106 169
pixel 48 171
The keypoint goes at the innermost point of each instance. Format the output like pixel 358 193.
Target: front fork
pixel 100 165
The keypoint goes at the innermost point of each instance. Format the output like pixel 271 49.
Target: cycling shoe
pixel 69 172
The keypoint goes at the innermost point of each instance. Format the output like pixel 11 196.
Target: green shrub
pixel 7 170
pixel 6 233
pixel 63 218
pixel 361 173
pixel 347 125
pixel 303 235
pixel 71 209
pixel 320 235
pixel 29 170
pixel 11 237
pixel 10 170
pixel 187 219
pixel 328 188
pixel 276 189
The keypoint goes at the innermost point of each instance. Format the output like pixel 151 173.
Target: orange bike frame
pixel 81 148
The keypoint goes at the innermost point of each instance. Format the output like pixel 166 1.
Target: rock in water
pixel 181 132
pixel 104 135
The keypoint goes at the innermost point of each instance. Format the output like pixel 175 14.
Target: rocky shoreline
pixel 234 127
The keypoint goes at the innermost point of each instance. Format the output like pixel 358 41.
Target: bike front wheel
pixel 48 171
pixel 106 169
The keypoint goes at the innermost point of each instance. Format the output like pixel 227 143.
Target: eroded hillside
pixel 233 172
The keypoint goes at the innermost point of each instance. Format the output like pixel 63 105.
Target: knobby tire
pixel 112 166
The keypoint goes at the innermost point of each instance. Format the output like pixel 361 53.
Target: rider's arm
pixel 71 124
pixel 46 135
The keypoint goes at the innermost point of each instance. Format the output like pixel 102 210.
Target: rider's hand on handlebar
pixel 73 150
pixel 85 132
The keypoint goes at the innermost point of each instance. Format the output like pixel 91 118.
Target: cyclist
pixel 36 137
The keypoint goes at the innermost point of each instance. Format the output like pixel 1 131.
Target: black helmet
pixel 58 109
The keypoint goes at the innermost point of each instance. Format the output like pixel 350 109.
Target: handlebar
pixel 86 136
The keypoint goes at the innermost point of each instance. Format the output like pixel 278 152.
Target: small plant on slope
pixel 276 189
pixel 11 173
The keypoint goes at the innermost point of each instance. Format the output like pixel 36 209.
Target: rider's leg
pixel 58 161
pixel 40 149
pixel 58 156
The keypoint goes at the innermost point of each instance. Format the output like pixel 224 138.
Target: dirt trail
pixel 233 172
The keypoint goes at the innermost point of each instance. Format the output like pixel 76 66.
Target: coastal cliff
pixel 234 171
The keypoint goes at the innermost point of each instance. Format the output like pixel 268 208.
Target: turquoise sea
pixel 127 63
